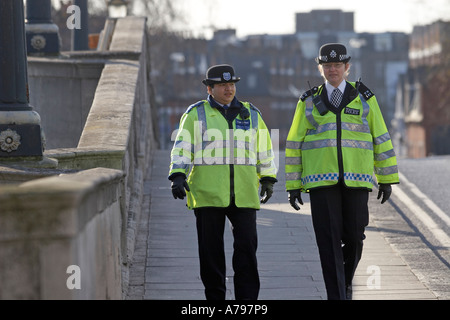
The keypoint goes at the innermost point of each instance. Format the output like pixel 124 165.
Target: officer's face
pixel 334 72
pixel 223 92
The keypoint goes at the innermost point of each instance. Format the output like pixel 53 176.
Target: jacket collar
pixel 234 104
pixel 346 98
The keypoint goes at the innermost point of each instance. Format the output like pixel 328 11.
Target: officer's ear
pixel 210 87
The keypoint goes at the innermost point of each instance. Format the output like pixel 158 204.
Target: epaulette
pixel 309 93
pixel 255 108
pixel 195 105
pixel 367 94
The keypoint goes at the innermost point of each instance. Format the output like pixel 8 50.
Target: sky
pixel 278 16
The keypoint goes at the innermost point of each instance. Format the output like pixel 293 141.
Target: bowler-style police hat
pixel 332 52
pixel 220 74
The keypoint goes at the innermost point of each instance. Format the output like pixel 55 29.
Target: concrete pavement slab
pixel 166 266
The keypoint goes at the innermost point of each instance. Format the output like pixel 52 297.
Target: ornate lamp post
pixel 20 129
pixel 41 33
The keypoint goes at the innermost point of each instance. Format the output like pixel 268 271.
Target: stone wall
pixel 62 91
pixel 50 224
pixel 83 212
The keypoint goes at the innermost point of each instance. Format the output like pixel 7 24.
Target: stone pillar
pixel 80 37
pixel 20 129
pixel 42 34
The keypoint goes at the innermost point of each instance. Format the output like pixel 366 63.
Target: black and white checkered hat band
pixel 342 57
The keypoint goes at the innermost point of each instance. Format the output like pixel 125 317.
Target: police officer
pixel 221 154
pixel 337 140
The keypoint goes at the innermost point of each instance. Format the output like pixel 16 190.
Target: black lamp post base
pixel 42 39
pixel 20 141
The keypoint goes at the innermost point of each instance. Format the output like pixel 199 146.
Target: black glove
pixel 384 190
pixel 178 185
pixel 266 190
pixel 295 195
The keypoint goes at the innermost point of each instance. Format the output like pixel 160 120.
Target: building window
pixel 252 81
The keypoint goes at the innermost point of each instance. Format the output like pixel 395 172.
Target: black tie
pixel 336 98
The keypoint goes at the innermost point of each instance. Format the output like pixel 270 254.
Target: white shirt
pixel 330 88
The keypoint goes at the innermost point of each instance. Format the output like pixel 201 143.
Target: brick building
pixel 275 69
pixel 422 121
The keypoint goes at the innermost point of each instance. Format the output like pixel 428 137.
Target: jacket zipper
pixel 231 155
pixel 339 146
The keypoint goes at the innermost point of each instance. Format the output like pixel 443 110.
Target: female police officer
pixel 337 140
pixel 227 145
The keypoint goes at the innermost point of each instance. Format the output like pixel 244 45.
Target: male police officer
pixel 337 140
pixel 228 146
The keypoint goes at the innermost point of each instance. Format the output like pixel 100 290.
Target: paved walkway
pixel 166 263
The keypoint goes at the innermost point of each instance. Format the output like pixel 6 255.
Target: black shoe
pixel 348 292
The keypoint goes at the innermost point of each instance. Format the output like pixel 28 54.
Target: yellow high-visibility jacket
pixel 218 170
pixel 348 145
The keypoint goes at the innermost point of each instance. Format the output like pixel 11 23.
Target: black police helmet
pixel 332 52
pixel 220 74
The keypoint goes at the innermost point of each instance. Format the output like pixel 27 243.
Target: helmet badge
pixel 226 76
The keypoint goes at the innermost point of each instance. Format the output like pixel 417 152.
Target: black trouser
pixel 210 231
pixel 339 216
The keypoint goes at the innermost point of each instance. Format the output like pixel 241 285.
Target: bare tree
pixel 97 7
pixel 161 14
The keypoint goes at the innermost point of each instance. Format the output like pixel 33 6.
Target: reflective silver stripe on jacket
pixel 254 117
pixel 308 112
pixel 384 155
pixel 355 127
pixel 323 128
pixel 207 161
pixel 310 145
pixel 293 176
pixel 386 170
pixel 293 160
pixel 381 139
pixel 222 144
pixel 219 147
pixel 366 110
pixel 243 149
pixel 293 145
pixel 201 113
pixel 182 161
